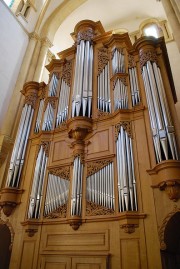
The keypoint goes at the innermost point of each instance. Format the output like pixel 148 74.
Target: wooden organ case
pixel 91 147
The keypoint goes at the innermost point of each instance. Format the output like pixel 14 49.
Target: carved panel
pixel 66 73
pixel 93 209
pixel 103 59
pixel 27 254
pixel 126 126
pixel 146 56
pixel 131 61
pixel 63 172
pixel 61 151
pixel 60 212
pixel 94 167
pixel 130 253
pixel 100 143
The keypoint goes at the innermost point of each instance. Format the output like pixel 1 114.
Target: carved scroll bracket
pixel 129 221
pixel 129 228
pixel 75 222
pixel 172 189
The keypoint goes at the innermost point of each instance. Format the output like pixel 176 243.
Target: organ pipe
pixel 160 118
pixel 48 119
pixel 118 63
pixel 39 116
pixel 100 187
pixel 76 196
pixel 134 86
pixel 62 113
pixel 38 184
pixel 18 154
pixel 126 176
pixel 82 92
pixel 120 95
pixel 53 85
pixel 56 194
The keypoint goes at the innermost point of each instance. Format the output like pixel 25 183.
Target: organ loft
pixel 95 167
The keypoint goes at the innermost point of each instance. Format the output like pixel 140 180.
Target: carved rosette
pixel 103 59
pixel 172 189
pixel 46 147
pixel 126 126
pixel 67 72
pixel 86 34
pixel 93 209
pixel 62 172
pixel 163 227
pixel 131 61
pixel 146 56
pixel 94 167
pixel 60 212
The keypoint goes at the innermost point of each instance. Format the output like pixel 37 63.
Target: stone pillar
pixel 45 45
pixel 171 12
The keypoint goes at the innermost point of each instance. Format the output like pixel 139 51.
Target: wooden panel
pixel 60 151
pixel 56 262
pixel 89 262
pixel 27 255
pixel 100 143
pixel 85 241
pixel 130 254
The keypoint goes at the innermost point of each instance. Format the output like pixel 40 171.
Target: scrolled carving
pixel 126 126
pixel 131 61
pixel 60 212
pixel 103 59
pixel 66 72
pixel 52 100
pixel 30 99
pixel 94 167
pixel 146 56
pixel 63 172
pixel 85 34
pixel 172 189
pixel 163 227
pixel 129 228
pixel 46 147
pixel 93 209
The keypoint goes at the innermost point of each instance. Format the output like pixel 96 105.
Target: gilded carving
pixel 30 99
pixel 94 167
pixel 66 73
pixel 52 100
pixel 103 59
pixel 62 172
pixel 126 126
pixel 93 209
pixel 131 61
pixel 163 227
pixel 102 114
pixel 172 189
pixel 86 35
pixel 60 212
pixel 146 56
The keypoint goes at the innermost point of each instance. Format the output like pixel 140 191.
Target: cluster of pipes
pixel 62 113
pixel 76 196
pixel 38 184
pixel 134 86
pixel 39 116
pixel 100 187
pixel 82 91
pixel 57 193
pixel 125 170
pixel 160 118
pixel 120 95
pixel 104 102
pixel 18 154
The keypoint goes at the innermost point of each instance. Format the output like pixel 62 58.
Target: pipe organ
pixel 92 146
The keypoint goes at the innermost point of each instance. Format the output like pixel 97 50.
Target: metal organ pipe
pixel 48 118
pixel 120 96
pixel 17 158
pixel 53 86
pixel 134 86
pixel 39 116
pixel 126 176
pixel 56 194
pixel 100 187
pixel 160 119
pixel 62 113
pixel 76 196
pixel 82 93
pixel 118 65
pixel 38 183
